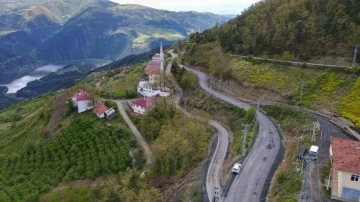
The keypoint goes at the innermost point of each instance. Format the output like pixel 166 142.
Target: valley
pixel 43 32
pixel 179 106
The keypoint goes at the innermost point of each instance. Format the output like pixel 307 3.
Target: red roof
pixel 80 95
pixel 80 91
pixel 101 109
pixel 346 155
pixel 145 102
pixel 151 69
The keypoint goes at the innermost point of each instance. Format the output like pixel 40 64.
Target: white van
pixel 314 150
pixel 236 168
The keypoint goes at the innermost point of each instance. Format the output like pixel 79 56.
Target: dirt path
pixel 144 145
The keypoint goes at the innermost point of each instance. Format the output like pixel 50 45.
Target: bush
pixel 188 81
pixel 16 117
pixel 250 115
pixel 287 56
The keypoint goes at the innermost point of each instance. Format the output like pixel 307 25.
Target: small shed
pixel 110 114
pixel 100 110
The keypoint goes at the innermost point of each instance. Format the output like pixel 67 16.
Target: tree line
pixel 299 28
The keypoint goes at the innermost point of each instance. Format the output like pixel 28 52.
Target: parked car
pixel 236 168
pixel 302 153
pixel 314 150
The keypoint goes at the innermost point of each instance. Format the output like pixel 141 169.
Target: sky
pixel 223 7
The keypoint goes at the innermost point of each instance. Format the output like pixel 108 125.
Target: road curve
pixel 253 182
pixel 140 139
pixel 214 171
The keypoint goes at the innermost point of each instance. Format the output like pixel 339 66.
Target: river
pixel 40 72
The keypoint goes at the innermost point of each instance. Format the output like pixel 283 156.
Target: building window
pixel 355 178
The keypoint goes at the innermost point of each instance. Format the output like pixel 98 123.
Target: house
pixel 147 89
pixel 141 105
pixel 153 73
pixel 82 101
pixel 110 114
pixel 100 110
pixel 345 172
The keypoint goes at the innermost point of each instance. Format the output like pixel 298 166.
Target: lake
pixel 32 76
pixel 40 72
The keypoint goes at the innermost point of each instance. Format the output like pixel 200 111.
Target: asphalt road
pixel 173 56
pixel 315 191
pixel 214 170
pixel 328 129
pixel 252 184
pixel 140 139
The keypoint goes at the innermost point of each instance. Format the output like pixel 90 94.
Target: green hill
pixel 321 31
pixel 310 30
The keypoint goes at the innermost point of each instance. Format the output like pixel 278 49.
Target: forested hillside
pixel 303 29
pixel 45 31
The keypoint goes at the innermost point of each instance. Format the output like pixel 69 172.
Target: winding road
pixel 253 182
pixel 214 171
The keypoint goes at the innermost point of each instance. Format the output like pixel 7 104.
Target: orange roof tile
pixel 346 155
pixel 101 109
pixel 152 70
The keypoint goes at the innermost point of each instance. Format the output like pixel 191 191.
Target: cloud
pixel 214 6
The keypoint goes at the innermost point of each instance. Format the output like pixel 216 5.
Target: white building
pixel 147 89
pixel 82 101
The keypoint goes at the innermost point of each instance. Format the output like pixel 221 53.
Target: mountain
pixel 40 31
pixel 67 77
pixel 305 29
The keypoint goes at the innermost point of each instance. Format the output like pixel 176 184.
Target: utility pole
pixel 304 186
pixel 258 104
pixel 185 101
pixel 244 139
pixel 211 82
pixel 313 137
pixel 355 53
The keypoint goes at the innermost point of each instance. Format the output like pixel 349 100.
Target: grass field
pixel 124 85
pixel 322 88
pixel 70 195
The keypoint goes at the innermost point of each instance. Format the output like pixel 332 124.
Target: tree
pixel 188 81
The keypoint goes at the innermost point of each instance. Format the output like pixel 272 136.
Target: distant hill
pixel 67 77
pixel 36 32
pixel 308 30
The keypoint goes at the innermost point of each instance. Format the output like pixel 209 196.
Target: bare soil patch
pixel 59 109
pixel 248 92
pixel 80 184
